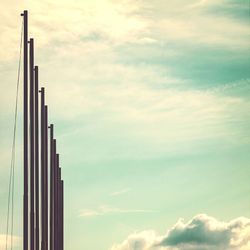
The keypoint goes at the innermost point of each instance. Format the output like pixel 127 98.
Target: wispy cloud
pixel 99 22
pixel 105 210
pixel 77 22
pixel 204 3
pixel 120 192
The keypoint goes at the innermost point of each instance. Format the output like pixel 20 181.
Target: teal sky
pixel 151 102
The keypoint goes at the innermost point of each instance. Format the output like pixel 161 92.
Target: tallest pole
pixel 25 130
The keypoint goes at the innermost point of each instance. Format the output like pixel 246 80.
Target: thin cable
pixel 12 167
pixel 14 137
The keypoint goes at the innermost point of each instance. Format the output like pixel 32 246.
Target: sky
pixel 150 101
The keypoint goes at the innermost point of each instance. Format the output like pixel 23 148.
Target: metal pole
pixel 42 170
pixel 51 185
pixel 37 227
pixel 46 176
pixel 62 215
pixel 56 160
pixel 25 130
pixel 56 202
pixel 59 208
pixel 31 89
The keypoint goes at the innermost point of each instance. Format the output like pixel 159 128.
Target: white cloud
pixel 202 29
pixel 130 106
pixel 201 233
pixel 104 210
pixel 67 23
pixel 138 241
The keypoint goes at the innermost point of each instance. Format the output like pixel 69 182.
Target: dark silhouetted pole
pixel 42 170
pixel 46 175
pixel 56 201
pixel 59 208
pixel 51 186
pixel 62 215
pixel 31 99
pixel 55 161
pixel 37 210
pixel 25 131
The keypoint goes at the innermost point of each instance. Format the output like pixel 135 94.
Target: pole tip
pixel 25 12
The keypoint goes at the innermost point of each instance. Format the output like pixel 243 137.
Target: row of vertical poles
pixel 43 186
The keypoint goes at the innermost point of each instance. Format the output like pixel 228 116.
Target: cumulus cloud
pixel 200 233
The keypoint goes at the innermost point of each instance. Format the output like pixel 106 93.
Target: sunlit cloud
pixel 68 25
pixel 202 232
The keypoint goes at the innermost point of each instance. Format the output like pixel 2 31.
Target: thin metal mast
pixel 59 207
pixel 55 160
pixel 51 186
pixel 37 219
pixel 42 170
pixel 62 215
pixel 46 174
pixel 31 99
pixel 56 202
pixel 25 130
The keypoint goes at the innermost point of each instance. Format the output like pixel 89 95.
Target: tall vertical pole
pixel 62 215
pixel 25 130
pixel 59 208
pixel 46 175
pixel 51 186
pixel 31 99
pixel 56 202
pixel 37 209
pixel 55 160
pixel 42 170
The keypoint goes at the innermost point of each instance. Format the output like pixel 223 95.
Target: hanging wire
pixel 12 163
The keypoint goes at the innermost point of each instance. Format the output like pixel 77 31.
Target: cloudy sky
pixel 151 103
